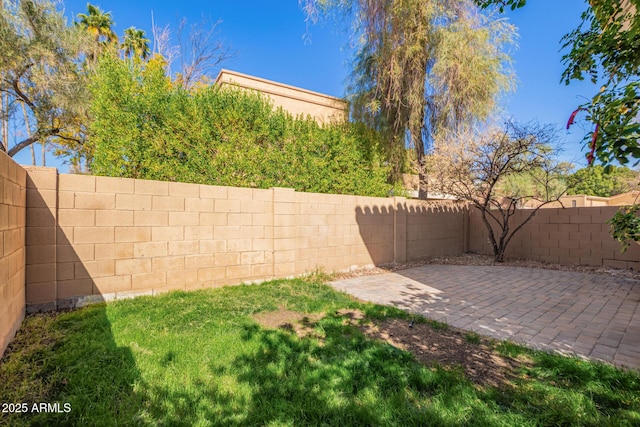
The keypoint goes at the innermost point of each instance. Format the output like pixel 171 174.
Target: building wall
pixel 625 199
pixel 12 248
pixel 563 236
pixel 576 201
pixel 295 100
pixel 97 238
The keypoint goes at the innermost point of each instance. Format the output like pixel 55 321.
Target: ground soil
pixel 449 347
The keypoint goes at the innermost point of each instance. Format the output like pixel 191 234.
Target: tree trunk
pixel 28 127
pixel 422 167
pixel 423 185
pixel 4 109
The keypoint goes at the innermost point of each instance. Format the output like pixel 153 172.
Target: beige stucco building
pixel 323 108
pixel 582 201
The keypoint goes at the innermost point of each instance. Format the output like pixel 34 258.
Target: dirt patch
pixel 299 323
pixel 352 316
pixel 476 259
pixel 449 347
pixel 446 346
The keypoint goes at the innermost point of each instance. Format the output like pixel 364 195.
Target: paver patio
pixel 589 315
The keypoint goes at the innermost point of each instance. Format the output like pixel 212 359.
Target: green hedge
pixel 145 127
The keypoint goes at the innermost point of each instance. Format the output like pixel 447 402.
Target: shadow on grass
pixel 64 368
pixel 200 359
pixel 337 376
pixel 341 379
pixel 72 360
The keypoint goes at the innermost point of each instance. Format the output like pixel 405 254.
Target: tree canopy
pixel 604 48
pixel 600 181
pixel 98 24
pixel 422 68
pixel 135 44
pixel 39 71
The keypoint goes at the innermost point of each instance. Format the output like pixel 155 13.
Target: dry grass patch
pixel 439 345
pixel 302 324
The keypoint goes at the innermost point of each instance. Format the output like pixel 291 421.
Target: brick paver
pixel 588 315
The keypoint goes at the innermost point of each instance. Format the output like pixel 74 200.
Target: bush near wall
pixel 146 127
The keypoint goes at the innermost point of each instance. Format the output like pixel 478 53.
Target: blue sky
pixel 268 39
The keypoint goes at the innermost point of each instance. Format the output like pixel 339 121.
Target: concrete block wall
pixel 12 248
pixel 330 232
pixel 435 229
pixel 104 238
pixel 97 238
pixel 41 235
pixel 563 236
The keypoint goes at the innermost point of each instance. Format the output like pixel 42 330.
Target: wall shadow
pixel 377 230
pixel 412 231
pixel 76 360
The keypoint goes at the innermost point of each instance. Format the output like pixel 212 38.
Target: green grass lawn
pixel 199 358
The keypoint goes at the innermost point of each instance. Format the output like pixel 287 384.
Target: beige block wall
pixel 564 236
pixel 330 232
pixel 41 236
pixel 338 232
pixel 435 229
pixel 12 248
pixel 97 238
pixel 109 237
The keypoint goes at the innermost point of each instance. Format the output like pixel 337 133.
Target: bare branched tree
pixel 200 51
pixel 162 43
pixel 476 167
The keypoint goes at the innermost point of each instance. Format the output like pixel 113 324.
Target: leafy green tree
pixel 98 23
pixel 600 181
pixel 605 48
pixel 423 68
pixel 625 225
pixel 145 126
pixel 39 71
pixel 135 44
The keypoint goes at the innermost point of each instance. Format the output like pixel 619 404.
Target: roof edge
pixel 283 85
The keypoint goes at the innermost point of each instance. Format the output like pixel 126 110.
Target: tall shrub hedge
pixel 145 127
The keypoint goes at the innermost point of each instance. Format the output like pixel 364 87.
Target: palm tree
pixel 98 24
pixel 135 44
